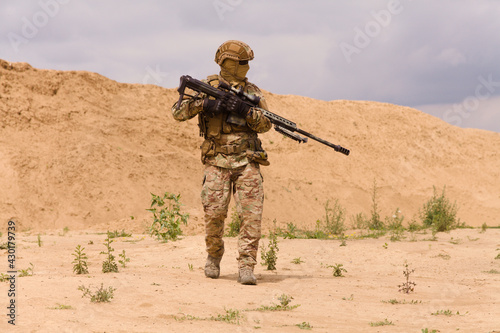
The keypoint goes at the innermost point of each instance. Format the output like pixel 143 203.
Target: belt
pixel 232 149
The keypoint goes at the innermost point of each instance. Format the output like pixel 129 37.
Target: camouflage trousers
pixel 246 185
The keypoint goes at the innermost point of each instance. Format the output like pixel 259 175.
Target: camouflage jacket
pixel 230 141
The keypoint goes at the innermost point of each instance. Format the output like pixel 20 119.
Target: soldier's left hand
pixel 235 105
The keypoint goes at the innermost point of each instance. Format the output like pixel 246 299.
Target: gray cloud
pixel 425 54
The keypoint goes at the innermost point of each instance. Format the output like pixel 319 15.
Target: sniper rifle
pixel 281 125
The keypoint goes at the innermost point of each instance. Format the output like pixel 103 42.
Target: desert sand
pixel 80 155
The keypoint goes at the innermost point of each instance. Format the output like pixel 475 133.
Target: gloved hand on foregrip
pixel 235 105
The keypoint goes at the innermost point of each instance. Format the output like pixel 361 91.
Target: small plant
pixel 395 225
pixel 395 301
pixel 395 222
pixel 284 305
pixel 4 277
pixel 484 227
pixel 498 256
pixel 297 261
pixel 359 221
pixel 269 255
pixel 426 330
pixel 407 286
pixel 109 264
pixel 343 240
pixel 167 221
pixel 385 246
pixel 26 272
pixel 234 225
pixel 443 313
pixel 338 270
pixel 444 256
pixel 438 213
pixel 116 233
pixel 190 266
pixel 348 298
pixel 80 261
pixel 290 232
pixel 381 323
pixel 62 307
pixel 492 271
pixel 375 223
pixel 39 240
pixel 304 326
pixel 101 295
pixel 64 232
pixel 124 260
pixel 231 317
pixel 334 218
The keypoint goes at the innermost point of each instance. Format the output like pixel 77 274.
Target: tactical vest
pixel 215 128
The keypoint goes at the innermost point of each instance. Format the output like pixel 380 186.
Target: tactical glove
pixel 212 106
pixel 235 105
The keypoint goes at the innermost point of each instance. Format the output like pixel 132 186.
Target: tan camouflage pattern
pixel 246 185
pixel 230 134
pixel 236 172
pixel 233 49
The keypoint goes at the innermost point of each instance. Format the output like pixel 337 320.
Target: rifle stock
pixel 281 125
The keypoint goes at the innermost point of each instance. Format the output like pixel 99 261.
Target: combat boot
pixel 212 267
pixel 246 276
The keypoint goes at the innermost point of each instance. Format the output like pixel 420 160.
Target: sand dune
pixel 80 150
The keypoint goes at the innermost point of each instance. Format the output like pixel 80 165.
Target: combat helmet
pixel 233 49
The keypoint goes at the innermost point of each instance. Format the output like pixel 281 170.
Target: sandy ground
pixel 83 152
pixel 163 287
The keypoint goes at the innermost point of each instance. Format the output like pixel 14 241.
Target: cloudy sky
pixel 439 56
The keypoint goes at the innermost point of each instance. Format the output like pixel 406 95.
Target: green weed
pixel 438 213
pixel 124 260
pixel 26 272
pixel 297 261
pixel 334 218
pixel 80 261
pixel 284 305
pixel 116 233
pixel 269 255
pixel 338 270
pixel 109 264
pixel 375 222
pixel 101 295
pixel 62 307
pixel 167 220
pixel 304 326
pixel 384 322
pixel 234 225
pixel 231 317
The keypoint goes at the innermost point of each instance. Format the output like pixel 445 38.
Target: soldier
pixel 232 154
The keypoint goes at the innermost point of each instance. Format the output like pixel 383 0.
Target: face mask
pixel 233 71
